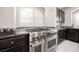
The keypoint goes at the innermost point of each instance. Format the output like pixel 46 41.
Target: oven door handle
pixel 34 45
pixel 51 38
pixel 38 43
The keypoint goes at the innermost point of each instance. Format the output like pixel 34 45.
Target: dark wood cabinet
pixel 60 16
pixel 69 34
pixel 61 35
pixel 72 34
pixel 15 44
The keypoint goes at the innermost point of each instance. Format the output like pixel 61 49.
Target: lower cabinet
pixel 73 35
pixel 59 41
pixel 61 35
pixel 18 48
pixel 15 44
pixel 69 34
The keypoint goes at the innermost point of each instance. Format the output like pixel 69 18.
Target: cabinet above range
pixel 60 16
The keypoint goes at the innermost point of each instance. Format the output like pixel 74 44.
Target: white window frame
pixel 72 17
pixel 18 18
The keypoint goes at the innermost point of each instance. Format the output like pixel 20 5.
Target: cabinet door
pixel 73 35
pixel 5 43
pixel 62 16
pixel 62 33
pixel 58 15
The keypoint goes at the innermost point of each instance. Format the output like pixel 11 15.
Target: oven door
pixel 50 44
pixel 38 47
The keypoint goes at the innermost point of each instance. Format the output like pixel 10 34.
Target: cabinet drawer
pixel 18 40
pixel 5 43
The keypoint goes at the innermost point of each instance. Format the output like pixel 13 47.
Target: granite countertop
pixel 16 33
pixel 69 27
pixel 21 31
pixel 66 27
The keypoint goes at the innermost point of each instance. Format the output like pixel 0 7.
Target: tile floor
pixel 68 46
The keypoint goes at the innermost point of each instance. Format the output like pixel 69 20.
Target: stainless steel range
pixel 51 41
pixel 42 40
pixel 36 42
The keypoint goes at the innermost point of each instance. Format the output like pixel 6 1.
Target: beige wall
pixel 39 16
pixel 7 19
pixel 68 18
pixel 43 17
pixel 50 16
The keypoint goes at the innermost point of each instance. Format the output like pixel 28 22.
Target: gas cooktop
pixel 36 30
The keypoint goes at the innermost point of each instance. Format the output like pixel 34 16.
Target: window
pixel 25 16
pixel 75 18
pixel 29 16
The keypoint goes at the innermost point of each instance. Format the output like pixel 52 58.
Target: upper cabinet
pixel 60 16
pixel 50 16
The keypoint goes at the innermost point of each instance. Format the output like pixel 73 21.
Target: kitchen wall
pixel 7 17
pixel 50 16
pixel 68 18
pixel 42 17
pixel 39 16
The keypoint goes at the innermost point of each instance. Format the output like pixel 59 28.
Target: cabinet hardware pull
pixel 12 42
